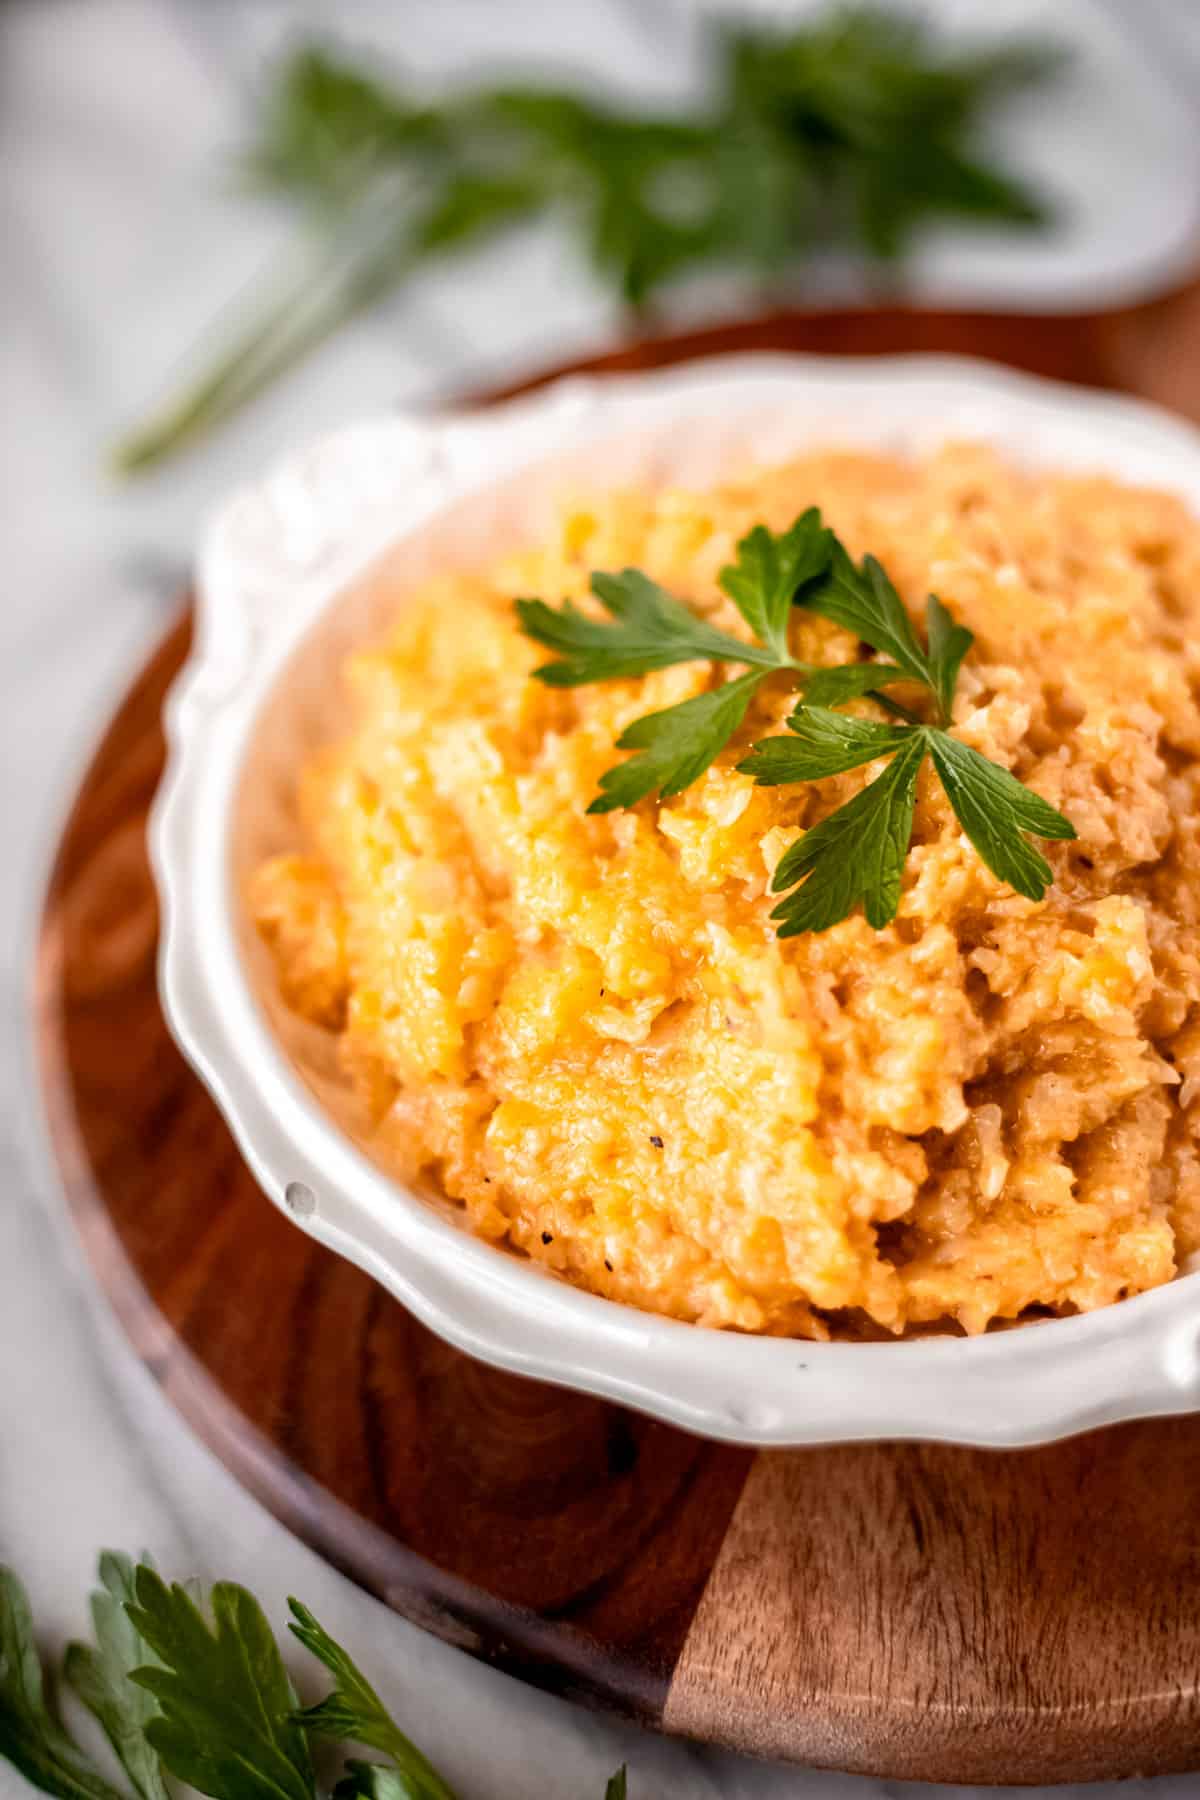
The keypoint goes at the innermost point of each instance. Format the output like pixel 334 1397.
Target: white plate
pixel 277 597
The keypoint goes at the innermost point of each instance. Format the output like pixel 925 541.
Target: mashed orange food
pixel 585 1030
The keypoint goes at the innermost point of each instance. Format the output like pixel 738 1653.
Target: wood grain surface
pixel 958 1614
pixel 912 1611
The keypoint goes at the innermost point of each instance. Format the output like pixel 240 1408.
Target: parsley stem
pixel 212 398
pixel 314 303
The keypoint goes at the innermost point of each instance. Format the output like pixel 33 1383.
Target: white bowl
pixel 277 597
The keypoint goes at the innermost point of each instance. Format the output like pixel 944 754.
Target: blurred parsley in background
pixel 854 130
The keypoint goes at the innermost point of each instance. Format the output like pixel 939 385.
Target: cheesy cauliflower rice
pixel 585 1030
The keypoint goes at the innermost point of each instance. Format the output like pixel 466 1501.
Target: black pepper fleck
pixel 656 1141
pixel 608 1265
pixel 547 1237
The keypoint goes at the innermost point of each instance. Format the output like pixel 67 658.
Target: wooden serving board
pixel 901 1610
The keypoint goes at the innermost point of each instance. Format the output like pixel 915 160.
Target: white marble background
pixel 118 243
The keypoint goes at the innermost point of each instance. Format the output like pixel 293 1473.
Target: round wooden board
pixel 900 1610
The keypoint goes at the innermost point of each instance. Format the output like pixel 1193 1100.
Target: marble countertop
pixel 120 244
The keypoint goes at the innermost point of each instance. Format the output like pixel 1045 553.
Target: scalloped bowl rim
pixel 1039 1382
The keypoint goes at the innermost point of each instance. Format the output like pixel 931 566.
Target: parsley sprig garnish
pixel 197 1688
pixel 649 629
pixel 852 130
pixel 855 855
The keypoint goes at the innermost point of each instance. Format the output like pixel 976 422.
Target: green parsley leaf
pixel 354 1710
pixel 226 1702
pixel 100 1675
pixel 856 854
pixel 766 196
pixel 676 745
pixel 31 1737
pixel 996 811
pixel 894 192
pixel 228 1722
pixel 880 112
pixel 849 681
pixel 770 567
pixel 326 126
pixel 822 743
pixel 641 189
pixel 852 855
pixel 472 204
pixel 948 644
pixel 863 600
pixel 650 629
